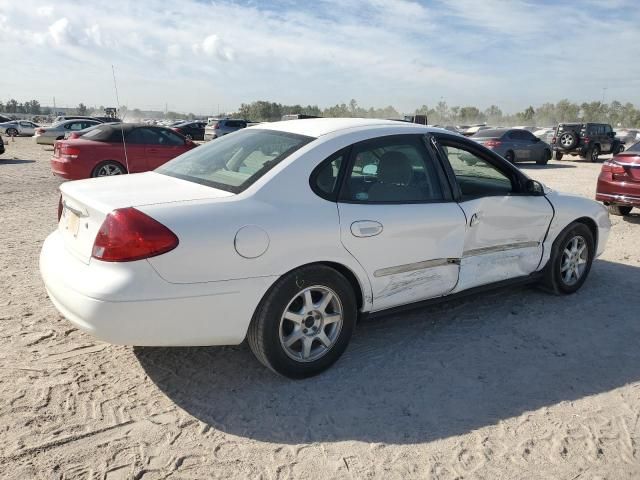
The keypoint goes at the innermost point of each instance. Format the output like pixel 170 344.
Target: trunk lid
pixel 631 164
pixel 86 203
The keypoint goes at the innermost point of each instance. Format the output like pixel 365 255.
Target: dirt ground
pixel 515 384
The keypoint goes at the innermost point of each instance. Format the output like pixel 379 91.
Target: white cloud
pixel 174 50
pixel 94 34
pixel 212 46
pixel 60 31
pixel 45 11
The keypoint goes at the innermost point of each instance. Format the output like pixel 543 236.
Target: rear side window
pixel 234 162
pixel 394 169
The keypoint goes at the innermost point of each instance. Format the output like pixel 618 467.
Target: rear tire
pixel 558 155
pixel 304 322
pixel 545 159
pixel 108 169
pixel 510 157
pixel 571 258
pixel 619 210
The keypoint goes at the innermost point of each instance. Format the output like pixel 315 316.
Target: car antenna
pixel 124 144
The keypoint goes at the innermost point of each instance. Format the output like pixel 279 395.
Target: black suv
pixel 585 139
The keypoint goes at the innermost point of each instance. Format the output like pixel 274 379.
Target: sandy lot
pixel 511 384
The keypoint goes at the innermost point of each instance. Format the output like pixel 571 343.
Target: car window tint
pixel 476 177
pixel 76 126
pixel 168 138
pixel 143 136
pixel 395 170
pixel 326 176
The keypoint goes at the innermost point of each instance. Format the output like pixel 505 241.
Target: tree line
pixel 547 114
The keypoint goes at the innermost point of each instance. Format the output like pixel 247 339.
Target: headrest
pixel 395 168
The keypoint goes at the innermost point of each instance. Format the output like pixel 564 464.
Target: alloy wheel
pixel 311 323
pixel 574 260
pixel 108 170
pixel 566 140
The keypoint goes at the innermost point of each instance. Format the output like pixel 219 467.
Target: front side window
pixel 233 162
pixel 392 170
pixel 475 176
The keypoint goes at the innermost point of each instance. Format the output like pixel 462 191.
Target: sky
pixel 205 56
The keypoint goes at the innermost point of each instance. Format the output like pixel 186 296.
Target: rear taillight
pixel 39 131
pixel 179 130
pixel 216 126
pixel 60 208
pixel 586 139
pixel 612 167
pixel 492 143
pixel 553 140
pixel 69 152
pixel 128 234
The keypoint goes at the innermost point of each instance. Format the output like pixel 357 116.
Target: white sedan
pixel 286 233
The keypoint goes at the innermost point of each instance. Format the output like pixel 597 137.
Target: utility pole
pixel 604 91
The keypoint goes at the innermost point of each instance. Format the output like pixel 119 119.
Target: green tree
pixel 81 109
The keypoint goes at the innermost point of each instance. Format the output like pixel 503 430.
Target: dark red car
pixel 619 182
pixel 114 149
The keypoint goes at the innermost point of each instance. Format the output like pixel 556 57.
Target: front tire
pixel 571 259
pixel 12 132
pixel 593 153
pixel 619 210
pixel 304 322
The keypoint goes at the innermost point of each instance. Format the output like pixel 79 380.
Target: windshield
pixel 234 161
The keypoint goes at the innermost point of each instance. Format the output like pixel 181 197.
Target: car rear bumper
pixel 130 304
pixel 618 193
pixel 69 169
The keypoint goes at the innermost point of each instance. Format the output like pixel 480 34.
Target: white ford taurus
pixel 285 233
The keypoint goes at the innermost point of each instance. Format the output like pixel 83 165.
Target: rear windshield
pixel 234 161
pixel 634 148
pixel 104 133
pixel 489 133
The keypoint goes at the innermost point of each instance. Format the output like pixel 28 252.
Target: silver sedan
pixel 18 128
pixel 58 131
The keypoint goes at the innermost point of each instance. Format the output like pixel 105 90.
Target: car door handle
pixel 474 220
pixel 366 228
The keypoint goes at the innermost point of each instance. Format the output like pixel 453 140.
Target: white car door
pixel 505 228
pixel 399 220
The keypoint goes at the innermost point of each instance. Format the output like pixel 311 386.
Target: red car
pixel 114 149
pixel 619 182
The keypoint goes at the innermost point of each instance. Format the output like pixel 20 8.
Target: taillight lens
pixel 612 167
pixel 216 126
pixel 60 208
pixel 586 139
pixel 128 234
pixel 553 140
pixel 69 152
pixel 492 143
pixel 39 131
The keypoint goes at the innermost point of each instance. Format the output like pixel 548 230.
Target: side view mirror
pixel 534 187
pixel 612 134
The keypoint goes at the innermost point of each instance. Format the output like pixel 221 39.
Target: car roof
pixel 316 127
